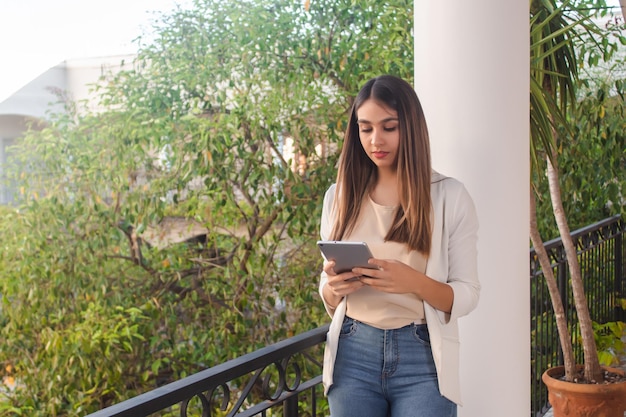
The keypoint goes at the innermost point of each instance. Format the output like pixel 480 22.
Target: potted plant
pixel 554 76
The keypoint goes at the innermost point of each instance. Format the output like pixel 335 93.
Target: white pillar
pixel 472 76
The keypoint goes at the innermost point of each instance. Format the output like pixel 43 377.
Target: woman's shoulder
pixel 330 192
pixel 329 196
pixel 438 180
pixel 451 200
pixel 444 187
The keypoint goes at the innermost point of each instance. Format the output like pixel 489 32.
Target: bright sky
pixel 36 35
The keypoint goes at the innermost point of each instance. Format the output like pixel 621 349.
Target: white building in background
pixel 32 103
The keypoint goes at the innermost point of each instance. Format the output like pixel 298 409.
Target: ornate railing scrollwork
pixel 218 387
pixel 206 410
pixel 261 383
pixel 282 384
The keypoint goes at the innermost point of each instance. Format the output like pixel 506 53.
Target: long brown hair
pixel 357 174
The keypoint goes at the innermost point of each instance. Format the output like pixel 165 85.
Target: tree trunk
pixel 557 303
pixel 593 372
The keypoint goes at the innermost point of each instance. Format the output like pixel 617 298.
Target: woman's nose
pixel 375 137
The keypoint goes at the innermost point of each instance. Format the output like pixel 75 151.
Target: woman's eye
pixel 366 129
pixel 390 129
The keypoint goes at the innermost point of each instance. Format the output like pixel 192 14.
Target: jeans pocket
pixel 348 327
pixel 421 334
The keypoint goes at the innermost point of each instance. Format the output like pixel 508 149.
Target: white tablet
pixel 347 255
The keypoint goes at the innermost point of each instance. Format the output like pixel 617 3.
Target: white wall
pixel 33 102
pixel 72 78
pixel 35 98
pixel 472 76
pixel 82 74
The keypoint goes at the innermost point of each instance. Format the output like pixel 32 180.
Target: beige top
pixel 380 309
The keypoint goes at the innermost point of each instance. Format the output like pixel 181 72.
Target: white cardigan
pixel 453 259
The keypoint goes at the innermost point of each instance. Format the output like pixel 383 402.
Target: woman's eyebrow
pixel 388 119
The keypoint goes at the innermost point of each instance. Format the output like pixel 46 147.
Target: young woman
pixel 393 346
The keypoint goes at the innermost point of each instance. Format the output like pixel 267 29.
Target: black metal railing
pixel 274 376
pixel 601 249
pixel 288 374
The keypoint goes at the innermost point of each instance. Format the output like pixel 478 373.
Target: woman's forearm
pixel 438 294
pixel 331 299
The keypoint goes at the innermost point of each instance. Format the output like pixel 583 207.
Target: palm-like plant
pixel 554 76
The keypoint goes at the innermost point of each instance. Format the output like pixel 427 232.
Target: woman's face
pixel 379 134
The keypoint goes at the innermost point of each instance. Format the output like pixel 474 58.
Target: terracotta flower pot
pixel 570 399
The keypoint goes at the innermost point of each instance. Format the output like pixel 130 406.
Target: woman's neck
pixel 385 191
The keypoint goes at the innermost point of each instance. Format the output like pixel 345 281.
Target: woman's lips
pixel 379 154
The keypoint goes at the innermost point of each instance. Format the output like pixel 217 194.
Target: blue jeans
pixel 383 373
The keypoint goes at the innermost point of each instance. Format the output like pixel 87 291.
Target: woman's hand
pixel 339 285
pixel 391 276
pixel 398 278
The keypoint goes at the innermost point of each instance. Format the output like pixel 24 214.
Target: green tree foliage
pixel 577 104
pixel 228 123
pixel 593 166
pixel 592 154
